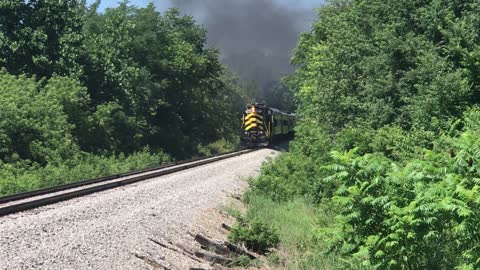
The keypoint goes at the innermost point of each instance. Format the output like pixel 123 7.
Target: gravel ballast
pixel 112 229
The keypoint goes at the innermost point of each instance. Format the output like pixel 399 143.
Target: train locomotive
pixel 262 124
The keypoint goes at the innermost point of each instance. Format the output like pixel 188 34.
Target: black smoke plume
pixel 256 37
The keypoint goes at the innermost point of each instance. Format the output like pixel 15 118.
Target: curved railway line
pixel 29 200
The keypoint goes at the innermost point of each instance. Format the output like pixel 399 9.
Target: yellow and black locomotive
pixel 262 124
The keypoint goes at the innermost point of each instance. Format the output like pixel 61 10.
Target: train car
pixel 262 124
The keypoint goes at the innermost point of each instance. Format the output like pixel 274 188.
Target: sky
pixel 256 37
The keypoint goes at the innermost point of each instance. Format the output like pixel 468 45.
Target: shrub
pixel 217 147
pixel 349 138
pixel 15 178
pixel 33 124
pixel 296 222
pixel 255 235
pixel 244 261
pixel 416 212
pixel 288 176
pixel 405 200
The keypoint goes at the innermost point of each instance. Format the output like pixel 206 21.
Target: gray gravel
pixel 111 229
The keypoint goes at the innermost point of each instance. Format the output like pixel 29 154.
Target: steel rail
pixel 149 173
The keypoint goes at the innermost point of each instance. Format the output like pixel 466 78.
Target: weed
pixel 255 235
pixel 233 211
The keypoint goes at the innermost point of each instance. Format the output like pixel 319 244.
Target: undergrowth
pixel 255 235
pixel 295 222
pixel 218 147
pixel 16 178
pixel 392 200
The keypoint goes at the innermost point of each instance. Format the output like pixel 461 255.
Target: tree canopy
pixel 78 84
pixel 410 63
pixel 387 96
pixel 150 78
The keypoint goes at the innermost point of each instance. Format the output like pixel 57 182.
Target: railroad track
pixel 29 200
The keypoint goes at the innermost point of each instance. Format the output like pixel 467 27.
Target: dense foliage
pixel 373 63
pixel 254 235
pixel 388 133
pixel 78 84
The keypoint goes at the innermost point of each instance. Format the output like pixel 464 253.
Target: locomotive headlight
pixel 260 132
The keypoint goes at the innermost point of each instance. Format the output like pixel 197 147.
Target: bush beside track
pixel 386 155
pixel 14 180
pixel 100 93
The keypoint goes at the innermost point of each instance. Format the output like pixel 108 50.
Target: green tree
pixel 34 124
pixel 386 88
pixel 41 37
pixel 405 62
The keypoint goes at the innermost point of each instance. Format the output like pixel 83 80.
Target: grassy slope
pixel 296 222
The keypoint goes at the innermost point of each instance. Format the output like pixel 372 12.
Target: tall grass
pixel 14 179
pixel 25 176
pixel 296 222
pixel 218 147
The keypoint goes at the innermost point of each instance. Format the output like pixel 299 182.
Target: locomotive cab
pixel 262 124
pixel 255 125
